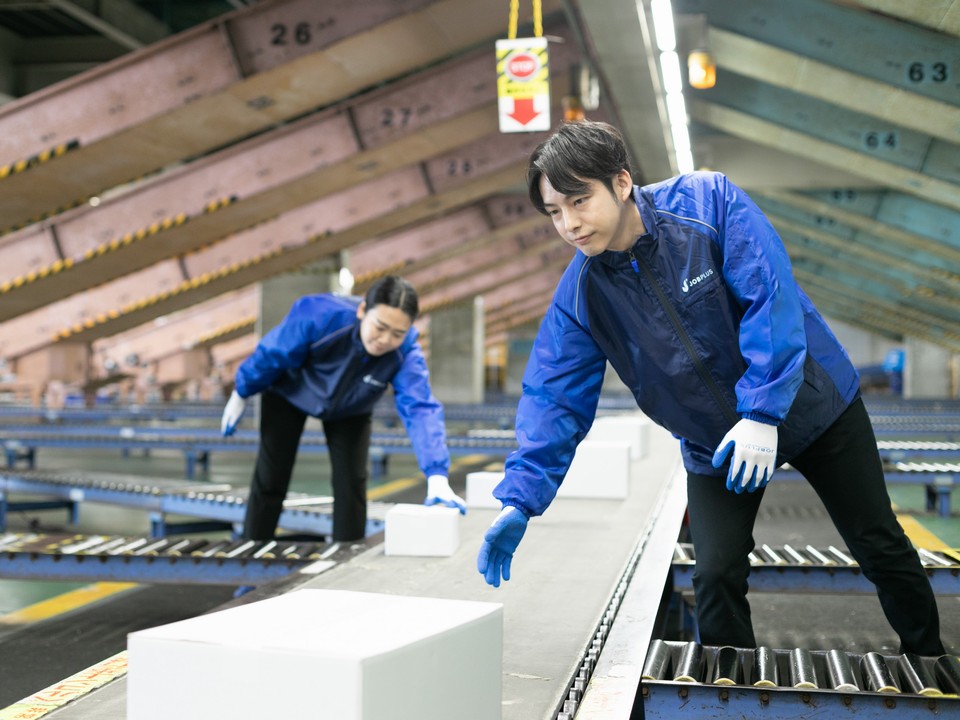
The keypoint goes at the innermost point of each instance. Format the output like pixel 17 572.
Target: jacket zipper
pixel 345 381
pixel 698 365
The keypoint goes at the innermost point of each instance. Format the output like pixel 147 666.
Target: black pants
pixel 348 443
pixel 844 468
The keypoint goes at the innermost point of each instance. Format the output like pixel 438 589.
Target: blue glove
pixel 754 446
pixel 499 544
pixel 232 413
pixel 440 493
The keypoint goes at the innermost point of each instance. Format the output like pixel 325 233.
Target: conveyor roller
pixel 690 680
pixel 152 560
pixel 809 569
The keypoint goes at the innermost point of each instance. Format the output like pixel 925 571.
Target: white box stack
pixel 421 531
pixel 324 655
pixel 631 428
pixel 480 487
pixel 599 470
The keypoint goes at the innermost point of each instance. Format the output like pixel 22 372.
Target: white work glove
pixel 232 413
pixel 754 446
pixel 440 493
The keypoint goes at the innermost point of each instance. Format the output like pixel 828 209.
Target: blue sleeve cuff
pixel 761 418
pixel 519 507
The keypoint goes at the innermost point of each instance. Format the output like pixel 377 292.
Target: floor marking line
pixel 919 535
pixel 64 603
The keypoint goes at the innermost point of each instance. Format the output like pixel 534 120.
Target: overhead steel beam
pixel 897 264
pixel 453 236
pixel 898 106
pixel 248 184
pixel 534 308
pixel 879 280
pixel 894 236
pixel 123 22
pixel 851 304
pixel 550 262
pixel 499 299
pixel 942 15
pixel 152 108
pixel 283 259
pixel 882 48
pixel 479 261
pixel 850 130
pixel 763 132
pixel 858 308
pixel 890 314
pixel 183 330
pixel 538 300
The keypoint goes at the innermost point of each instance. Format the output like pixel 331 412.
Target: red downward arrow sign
pixel 523 111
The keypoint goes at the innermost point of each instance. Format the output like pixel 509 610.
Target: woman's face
pixel 382 328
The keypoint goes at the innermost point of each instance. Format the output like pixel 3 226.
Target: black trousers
pixel 844 468
pixel 348 443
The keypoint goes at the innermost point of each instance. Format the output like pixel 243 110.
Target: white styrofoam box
pixel 480 487
pixel 324 655
pixel 421 531
pixel 623 428
pixel 600 469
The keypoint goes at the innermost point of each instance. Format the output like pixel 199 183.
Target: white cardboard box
pixel 599 470
pixel 421 531
pixel 632 429
pixel 480 487
pixel 324 655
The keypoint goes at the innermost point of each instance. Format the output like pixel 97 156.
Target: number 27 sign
pixel 523 85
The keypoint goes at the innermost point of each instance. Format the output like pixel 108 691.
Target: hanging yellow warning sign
pixel 523 85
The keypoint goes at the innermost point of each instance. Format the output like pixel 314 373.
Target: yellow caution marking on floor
pixel 389 488
pixel 64 603
pixel 65 691
pixel 401 484
pixel 919 535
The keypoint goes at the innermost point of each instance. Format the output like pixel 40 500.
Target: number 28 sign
pixel 523 85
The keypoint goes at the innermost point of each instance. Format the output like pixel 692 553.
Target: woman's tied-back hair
pixel 395 292
pixel 578 152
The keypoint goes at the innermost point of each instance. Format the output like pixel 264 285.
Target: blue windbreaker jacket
pixel 316 361
pixel 703 322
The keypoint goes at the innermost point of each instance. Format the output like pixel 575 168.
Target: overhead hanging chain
pixel 515 14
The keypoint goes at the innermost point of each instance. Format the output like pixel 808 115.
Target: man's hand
pixel 499 544
pixel 754 448
pixel 232 413
pixel 440 493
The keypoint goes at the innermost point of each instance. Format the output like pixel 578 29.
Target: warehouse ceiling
pixel 160 159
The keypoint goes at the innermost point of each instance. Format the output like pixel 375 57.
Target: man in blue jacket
pixel 686 289
pixel 333 358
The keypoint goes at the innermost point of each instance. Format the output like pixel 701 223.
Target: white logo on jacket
pixel 689 283
pixel 371 380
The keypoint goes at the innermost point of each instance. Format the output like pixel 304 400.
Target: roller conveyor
pixel 80 558
pixel 220 504
pixel 20 443
pixel 708 682
pixel 825 570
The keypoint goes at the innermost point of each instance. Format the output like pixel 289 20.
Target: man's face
pixel 382 328
pixel 596 219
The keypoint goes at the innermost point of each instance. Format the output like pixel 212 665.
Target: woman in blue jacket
pixel 686 289
pixel 333 358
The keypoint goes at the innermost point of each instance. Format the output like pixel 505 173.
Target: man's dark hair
pixel 578 152
pixel 395 292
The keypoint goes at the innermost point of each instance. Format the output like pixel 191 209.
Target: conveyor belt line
pixel 685 679
pixel 221 503
pixel 188 560
pixel 818 573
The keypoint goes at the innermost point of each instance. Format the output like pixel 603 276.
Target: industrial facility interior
pixel 175 174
